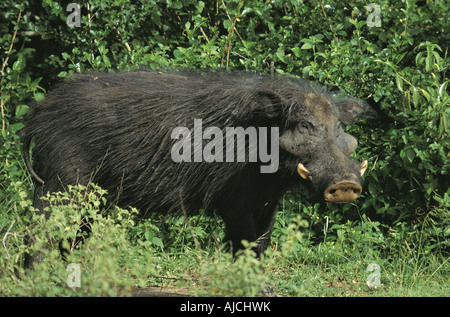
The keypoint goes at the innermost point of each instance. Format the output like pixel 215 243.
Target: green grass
pixel 123 255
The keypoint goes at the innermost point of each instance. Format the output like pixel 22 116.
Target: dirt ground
pixel 161 292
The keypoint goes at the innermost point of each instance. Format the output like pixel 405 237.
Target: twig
pixel 230 34
pixel 5 62
pixel 323 10
pixel 127 46
pixel 6 236
pixel 203 32
pixel 186 219
pixel 12 43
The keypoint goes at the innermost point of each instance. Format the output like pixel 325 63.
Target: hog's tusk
pixel 302 171
pixel 363 167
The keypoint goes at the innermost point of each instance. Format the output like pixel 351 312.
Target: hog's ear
pixel 269 105
pixel 350 109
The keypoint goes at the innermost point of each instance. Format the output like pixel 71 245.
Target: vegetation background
pixel 392 54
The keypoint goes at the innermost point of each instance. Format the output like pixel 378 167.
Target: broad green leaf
pixel 297 51
pixel 307 46
pixel 38 96
pixel 415 97
pixel 399 82
pixel 21 110
pixel 443 124
pixel 19 65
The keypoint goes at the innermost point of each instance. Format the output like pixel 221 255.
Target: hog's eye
pixel 339 130
pixel 291 125
pixel 304 125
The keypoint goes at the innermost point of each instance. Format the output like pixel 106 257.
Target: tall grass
pixel 123 254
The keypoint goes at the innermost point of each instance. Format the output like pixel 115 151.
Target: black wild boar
pixel 117 130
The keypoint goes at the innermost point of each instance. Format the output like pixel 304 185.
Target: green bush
pixel 105 257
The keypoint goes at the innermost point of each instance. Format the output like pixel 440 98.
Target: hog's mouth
pixel 339 192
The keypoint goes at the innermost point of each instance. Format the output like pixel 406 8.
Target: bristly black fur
pixel 115 130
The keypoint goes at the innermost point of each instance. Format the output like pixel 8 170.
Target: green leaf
pixel 373 189
pixel 408 99
pixel 65 55
pixel 443 88
pixel 319 37
pixel 428 62
pixel 158 242
pixel 34 84
pixel 347 71
pixel 226 24
pixel 280 54
pixel 297 51
pixel 38 96
pixel 407 154
pixel 410 155
pixel 199 6
pixel 177 5
pixel 415 97
pixel 307 46
pixel 16 126
pixel 443 124
pixel 19 65
pixel 399 82
pixel 178 53
pixel 21 110
pixel 425 94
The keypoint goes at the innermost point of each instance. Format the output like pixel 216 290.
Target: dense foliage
pixel 400 68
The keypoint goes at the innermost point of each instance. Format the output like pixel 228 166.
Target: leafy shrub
pixel 224 277
pixel 105 257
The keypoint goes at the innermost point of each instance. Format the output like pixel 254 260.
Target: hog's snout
pixel 342 192
pixel 345 190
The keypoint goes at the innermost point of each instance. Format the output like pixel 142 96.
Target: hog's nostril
pixel 354 189
pixel 342 192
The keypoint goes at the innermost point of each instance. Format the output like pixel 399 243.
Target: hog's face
pixel 315 137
